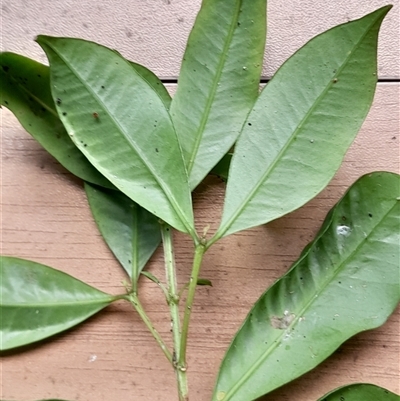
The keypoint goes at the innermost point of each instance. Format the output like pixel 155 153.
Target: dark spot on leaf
pixel 64 113
pixel 102 86
pixel 58 101
pixel 335 80
pixel 39 75
pixel 370 214
pixel 84 145
pixel 238 24
pixel 129 261
pixel 157 150
pixel 96 115
pixel 341 398
pixel 5 68
pixel 339 282
pixel 249 124
pixel 5 101
pixel 344 218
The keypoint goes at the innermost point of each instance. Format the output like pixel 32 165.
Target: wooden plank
pixel 154 33
pixel 45 218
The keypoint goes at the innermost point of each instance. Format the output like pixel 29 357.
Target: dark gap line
pixel 174 80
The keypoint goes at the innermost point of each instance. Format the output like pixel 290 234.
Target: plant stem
pixel 173 302
pixel 198 257
pixel 134 300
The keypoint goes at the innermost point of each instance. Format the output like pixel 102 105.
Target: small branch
pixel 157 281
pixel 134 300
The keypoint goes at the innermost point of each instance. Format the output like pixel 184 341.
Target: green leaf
pixel 360 392
pixel 38 301
pixel 25 90
pixel 204 281
pixel 154 82
pixel 219 80
pixel 222 168
pixel 131 232
pixel 121 125
pixel 346 281
pixel 305 119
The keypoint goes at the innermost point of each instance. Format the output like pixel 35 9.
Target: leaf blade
pixel 303 122
pixel 132 233
pixel 219 80
pixel 25 90
pixel 335 286
pixel 38 301
pixel 360 391
pixel 121 125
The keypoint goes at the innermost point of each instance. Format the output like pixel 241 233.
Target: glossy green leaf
pixel 346 281
pixel 25 90
pixel 121 125
pixel 219 80
pixel 38 301
pixel 131 232
pixel 360 392
pixel 305 119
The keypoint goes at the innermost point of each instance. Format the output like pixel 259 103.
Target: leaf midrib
pixel 252 193
pixel 200 131
pixel 141 156
pixel 107 299
pixel 312 299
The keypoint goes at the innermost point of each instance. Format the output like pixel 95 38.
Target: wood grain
pixel 154 33
pixel 45 217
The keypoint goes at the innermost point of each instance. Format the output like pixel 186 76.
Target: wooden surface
pixel 154 33
pixel 45 217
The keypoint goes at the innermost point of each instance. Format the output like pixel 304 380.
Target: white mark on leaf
pixel 343 230
pixel 282 323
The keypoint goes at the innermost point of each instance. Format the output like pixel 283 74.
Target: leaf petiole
pixel 134 300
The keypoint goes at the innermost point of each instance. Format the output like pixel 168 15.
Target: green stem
pixel 173 303
pixel 134 300
pixel 135 271
pixel 198 257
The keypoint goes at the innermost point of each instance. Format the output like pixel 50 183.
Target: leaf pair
pixel 295 137
pixel 25 90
